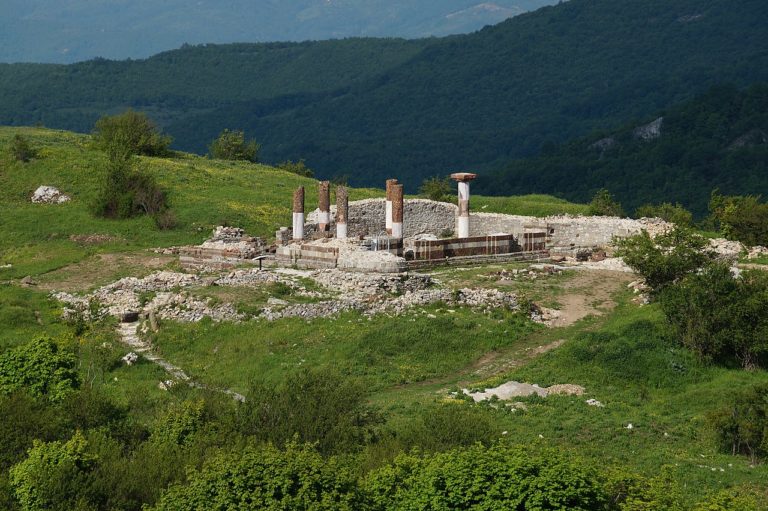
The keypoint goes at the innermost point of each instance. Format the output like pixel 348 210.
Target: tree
pixel 41 367
pixel 21 149
pixel 436 188
pixel 742 426
pixel 130 133
pixel 297 478
pixel 603 204
pixel 741 218
pixel 299 168
pixel 231 145
pixel 53 476
pixel 668 257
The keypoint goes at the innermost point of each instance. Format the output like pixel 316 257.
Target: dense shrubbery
pixel 436 188
pixel 742 427
pixel 231 145
pixel 130 133
pixel 674 213
pixel 603 204
pixel 42 367
pixel 741 218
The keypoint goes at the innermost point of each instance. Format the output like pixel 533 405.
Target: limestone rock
pixel 49 195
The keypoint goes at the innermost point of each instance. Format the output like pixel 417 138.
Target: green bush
pixel 436 188
pixel 742 426
pixel 231 145
pixel 668 257
pixel 719 316
pixel 603 204
pixel 741 218
pixel 668 212
pixel 41 367
pixel 298 167
pixel 130 133
pixel 21 149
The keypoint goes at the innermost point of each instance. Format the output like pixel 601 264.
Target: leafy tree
pixel 741 218
pixel 41 367
pixel 21 149
pixel 742 426
pixel 603 204
pixel 436 188
pixel 54 475
pixel 668 212
pixel 298 167
pixel 666 258
pixel 297 478
pixel 720 316
pixel 476 477
pixel 231 145
pixel 130 133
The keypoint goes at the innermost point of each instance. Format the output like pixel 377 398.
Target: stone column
pixel 298 214
pixel 324 201
pixel 397 211
pixel 462 222
pixel 388 206
pixel 342 212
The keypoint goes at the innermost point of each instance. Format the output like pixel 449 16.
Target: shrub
pixel 742 426
pixel 603 204
pixel 436 188
pixel 41 367
pixel 231 145
pixel 741 218
pixel 666 258
pixel 298 168
pixel 676 213
pixel 130 133
pixel 719 316
pixel 21 149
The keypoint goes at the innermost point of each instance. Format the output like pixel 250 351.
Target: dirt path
pixel 129 337
pixel 590 292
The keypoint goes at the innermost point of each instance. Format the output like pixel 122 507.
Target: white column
pixel 298 226
pixel 388 216
pixel 463 219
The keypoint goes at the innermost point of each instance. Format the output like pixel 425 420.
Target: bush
pixel 130 133
pixel 603 204
pixel 676 213
pixel 741 218
pixel 298 168
pixel 720 316
pixel 666 258
pixel 21 149
pixel 231 145
pixel 742 427
pixel 436 188
pixel 41 367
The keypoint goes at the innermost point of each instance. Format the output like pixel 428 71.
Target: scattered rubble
pixel 595 402
pixel 727 249
pixel 49 195
pixel 511 389
pixel 130 359
pixel 757 252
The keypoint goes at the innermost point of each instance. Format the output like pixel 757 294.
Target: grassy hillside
pixel 363 107
pixel 203 193
pixel 719 139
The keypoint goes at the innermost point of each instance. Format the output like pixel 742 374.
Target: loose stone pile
pixel 49 195
pixel 371 284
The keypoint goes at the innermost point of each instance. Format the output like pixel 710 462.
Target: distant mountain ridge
pixel 64 31
pixel 376 108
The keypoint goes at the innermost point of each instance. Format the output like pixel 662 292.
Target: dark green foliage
pixel 436 188
pixel 668 257
pixel 41 367
pixel 21 149
pixel 231 145
pixel 674 213
pixel 718 139
pixel 318 407
pixel 296 167
pixel 267 478
pixel 130 133
pixel 742 427
pixel 498 477
pixel 603 204
pixel 719 316
pixel 741 218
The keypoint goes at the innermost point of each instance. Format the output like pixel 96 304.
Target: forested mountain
pixel 370 109
pixel 76 30
pixel 719 139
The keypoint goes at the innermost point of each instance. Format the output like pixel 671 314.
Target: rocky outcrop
pixel 49 195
